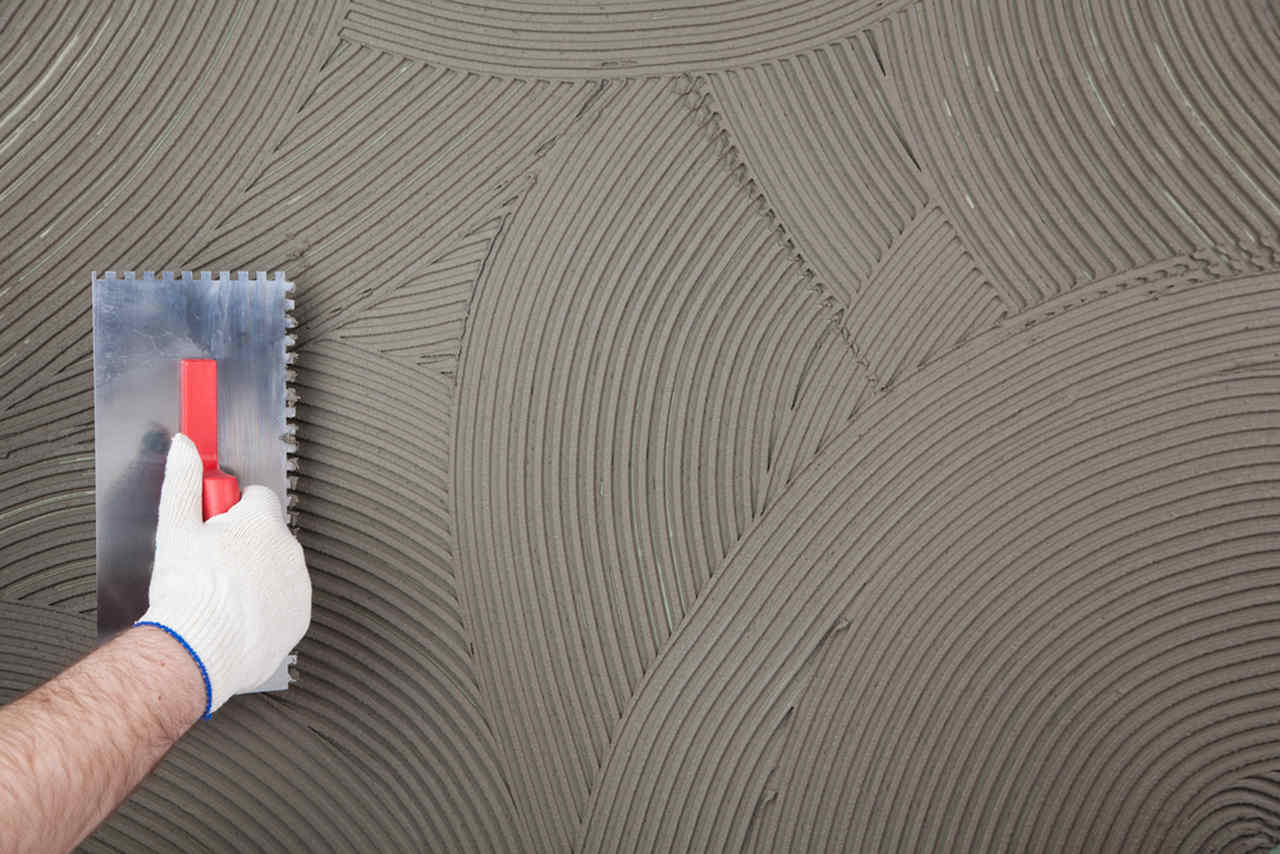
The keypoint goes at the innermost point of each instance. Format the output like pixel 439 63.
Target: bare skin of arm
pixel 73 749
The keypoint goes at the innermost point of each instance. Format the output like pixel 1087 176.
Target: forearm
pixel 73 749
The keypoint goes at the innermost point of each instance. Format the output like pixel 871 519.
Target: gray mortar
pixel 760 426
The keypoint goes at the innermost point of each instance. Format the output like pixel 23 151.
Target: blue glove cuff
pixel 204 674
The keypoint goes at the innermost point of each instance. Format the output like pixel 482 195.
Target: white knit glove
pixel 234 590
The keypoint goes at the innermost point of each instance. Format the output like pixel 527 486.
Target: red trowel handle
pixel 198 388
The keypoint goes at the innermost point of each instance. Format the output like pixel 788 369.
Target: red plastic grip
pixel 198 391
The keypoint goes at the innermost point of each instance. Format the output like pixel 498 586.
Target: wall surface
pixel 780 425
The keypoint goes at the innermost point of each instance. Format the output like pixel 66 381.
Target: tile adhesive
pixel 774 427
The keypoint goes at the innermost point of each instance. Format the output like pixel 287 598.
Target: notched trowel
pixel 207 353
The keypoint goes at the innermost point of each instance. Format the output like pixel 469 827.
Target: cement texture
pixel 779 425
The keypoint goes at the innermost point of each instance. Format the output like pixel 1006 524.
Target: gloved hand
pixel 234 590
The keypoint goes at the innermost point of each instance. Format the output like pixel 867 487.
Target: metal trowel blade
pixel 143 325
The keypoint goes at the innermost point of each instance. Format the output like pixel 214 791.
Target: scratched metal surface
pixel 143 325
